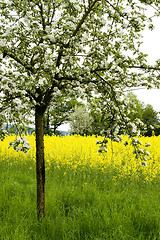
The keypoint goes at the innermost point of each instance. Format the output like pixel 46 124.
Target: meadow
pixel 89 195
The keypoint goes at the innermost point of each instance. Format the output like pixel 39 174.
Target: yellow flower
pixel 77 152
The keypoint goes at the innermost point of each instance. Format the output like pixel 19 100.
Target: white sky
pixel 151 46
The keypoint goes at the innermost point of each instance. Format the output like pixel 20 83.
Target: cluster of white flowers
pixel 3 134
pixel 141 153
pixel 41 81
pixel 2 43
pixel 20 144
pixel 134 127
pixel 103 145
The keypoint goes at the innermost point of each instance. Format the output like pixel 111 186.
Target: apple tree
pixel 58 46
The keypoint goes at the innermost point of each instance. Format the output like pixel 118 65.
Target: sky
pixel 151 46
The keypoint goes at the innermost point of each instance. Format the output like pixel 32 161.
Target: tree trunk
pixel 54 129
pixel 47 127
pixel 40 165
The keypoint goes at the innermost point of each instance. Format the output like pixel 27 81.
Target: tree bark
pixel 47 126
pixel 40 165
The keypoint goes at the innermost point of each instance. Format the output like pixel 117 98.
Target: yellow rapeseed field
pixel 77 151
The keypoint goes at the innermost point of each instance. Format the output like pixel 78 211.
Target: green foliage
pixel 2 120
pixel 140 150
pixel 59 112
pixel 20 144
pixel 62 47
pixel 150 116
pixel 97 108
pixel 82 206
pixel 81 121
pixel 112 116
pixel 105 116
pixel 147 114
pixel 3 134
pixel 151 119
pixel 135 106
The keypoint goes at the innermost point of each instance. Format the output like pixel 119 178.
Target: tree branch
pixel 143 67
pixel 51 16
pixel 13 56
pixel 42 17
pixel 138 67
pixel 115 8
pixel 112 95
pixel 4 108
pixel 84 18
pixel 75 31
pixel 60 54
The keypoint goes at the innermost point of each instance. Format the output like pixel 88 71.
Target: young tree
pixel 57 46
pixel 81 121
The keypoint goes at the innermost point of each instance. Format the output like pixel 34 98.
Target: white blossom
pixel 2 43
pixel 143 164
pixel 147 153
pixel 147 144
pixel 19 148
pixel 41 81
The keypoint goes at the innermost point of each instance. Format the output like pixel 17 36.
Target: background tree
pixel 98 113
pixel 59 112
pixel 102 114
pixel 81 121
pixel 150 116
pixel 135 106
pixel 147 114
pixel 106 117
pixel 151 119
pixel 50 46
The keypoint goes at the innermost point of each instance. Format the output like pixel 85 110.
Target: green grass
pixel 81 205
